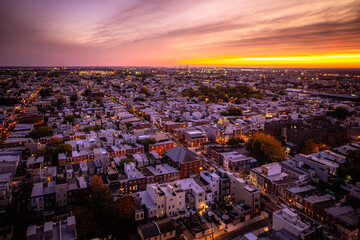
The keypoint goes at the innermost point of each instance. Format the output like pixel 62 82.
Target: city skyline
pixel 173 33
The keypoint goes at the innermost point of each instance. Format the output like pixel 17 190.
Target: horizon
pixel 257 34
pixel 179 66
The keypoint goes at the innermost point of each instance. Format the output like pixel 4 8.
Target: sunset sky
pixel 265 33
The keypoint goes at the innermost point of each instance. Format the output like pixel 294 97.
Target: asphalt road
pixel 243 230
pixel 269 207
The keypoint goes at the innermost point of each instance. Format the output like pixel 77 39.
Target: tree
pixel 98 99
pixel 98 127
pixel 70 118
pixel 348 179
pixel 86 93
pixel 221 93
pixel 138 99
pixel 88 129
pixel 233 142
pixel 126 204
pixel 353 157
pixel 123 161
pixel 339 113
pixel 309 147
pixel 87 226
pixel 97 183
pixel 143 90
pixel 8 101
pixel 282 92
pixel 232 112
pixel 222 96
pixel 59 102
pixel 238 101
pixel 102 205
pixel 64 148
pixel 43 151
pixel 265 148
pixel 128 125
pixel 55 140
pixel 212 98
pixel 45 92
pixel 146 142
pixel 42 132
pixel 73 98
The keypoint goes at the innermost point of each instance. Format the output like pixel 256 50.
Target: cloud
pixel 148 32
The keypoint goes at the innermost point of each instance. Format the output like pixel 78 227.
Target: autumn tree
pixel 126 205
pixel 55 140
pixel 310 146
pixel 99 207
pixel 112 217
pixel 143 90
pixel 265 148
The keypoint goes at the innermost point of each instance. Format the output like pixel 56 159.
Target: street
pixel 243 230
pixel 10 122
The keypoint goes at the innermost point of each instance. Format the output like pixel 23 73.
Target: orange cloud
pixel 321 33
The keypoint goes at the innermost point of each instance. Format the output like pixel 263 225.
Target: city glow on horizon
pixel 276 33
pixel 345 61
